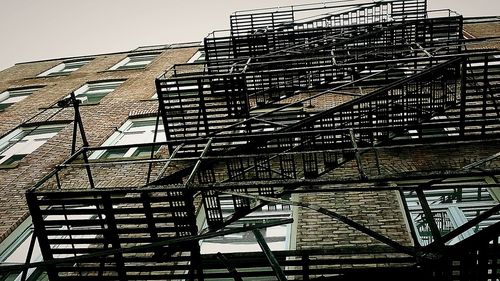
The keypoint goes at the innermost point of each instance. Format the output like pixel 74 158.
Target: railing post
pixel 305 267
pixel 463 94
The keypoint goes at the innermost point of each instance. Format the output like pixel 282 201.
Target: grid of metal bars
pixel 72 224
pixel 428 89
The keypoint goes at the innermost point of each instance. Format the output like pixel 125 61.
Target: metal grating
pixel 79 223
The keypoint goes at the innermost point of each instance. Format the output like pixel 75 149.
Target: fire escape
pixel 255 123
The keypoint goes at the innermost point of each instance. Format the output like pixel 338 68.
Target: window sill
pixel 90 103
pixel 119 159
pixel 48 76
pixel 9 166
pixel 155 100
pixel 124 69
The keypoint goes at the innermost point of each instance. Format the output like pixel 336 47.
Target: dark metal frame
pixel 431 93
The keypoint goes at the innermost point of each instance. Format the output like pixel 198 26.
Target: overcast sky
pixel 44 29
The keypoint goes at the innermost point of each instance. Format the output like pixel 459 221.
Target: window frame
pixel 18 243
pixel 85 88
pixel 124 64
pixel 125 131
pixel 20 93
pixel 63 68
pixel 270 211
pixel 197 57
pixel 16 141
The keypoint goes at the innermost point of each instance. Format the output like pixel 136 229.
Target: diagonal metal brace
pixel 403 249
pixel 357 155
pixel 269 255
pixel 230 268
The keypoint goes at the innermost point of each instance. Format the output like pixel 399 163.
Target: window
pixel 135 61
pixel 277 237
pixel 16 145
pixel 134 131
pixel 10 97
pixel 199 56
pixel 65 68
pixel 93 92
pixel 14 250
pixel 452 207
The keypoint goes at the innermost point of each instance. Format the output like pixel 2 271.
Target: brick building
pixel 360 139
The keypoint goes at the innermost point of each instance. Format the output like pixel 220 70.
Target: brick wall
pixel 100 120
pixel 379 211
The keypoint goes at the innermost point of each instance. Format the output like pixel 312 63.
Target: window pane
pixel 134 131
pixel 65 68
pixel 144 151
pixel 24 141
pixel 114 153
pixel 13 159
pixel 93 92
pixel 135 61
pixel 10 97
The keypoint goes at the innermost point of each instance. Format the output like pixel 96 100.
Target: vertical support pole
pixel 58 180
pixel 203 107
pixel 112 235
pixel 357 155
pixel 163 112
pixel 377 161
pixel 436 235
pixel 153 146
pixel 485 92
pixel 87 167
pixel 40 233
pixel 146 203
pixel 461 48
pixel 73 142
pixel 305 267
pixel 78 121
pixel 197 263
pixel 28 257
pixel 463 94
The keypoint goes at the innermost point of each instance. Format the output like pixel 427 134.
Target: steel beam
pixel 280 275
pixel 341 218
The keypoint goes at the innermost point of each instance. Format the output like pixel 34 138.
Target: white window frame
pixel 269 211
pixel 12 96
pixel 65 67
pixel 197 57
pixel 122 136
pixel 14 249
pixel 135 61
pixel 25 140
pixel 84 90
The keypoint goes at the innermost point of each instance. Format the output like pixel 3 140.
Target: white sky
pixel 44 29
